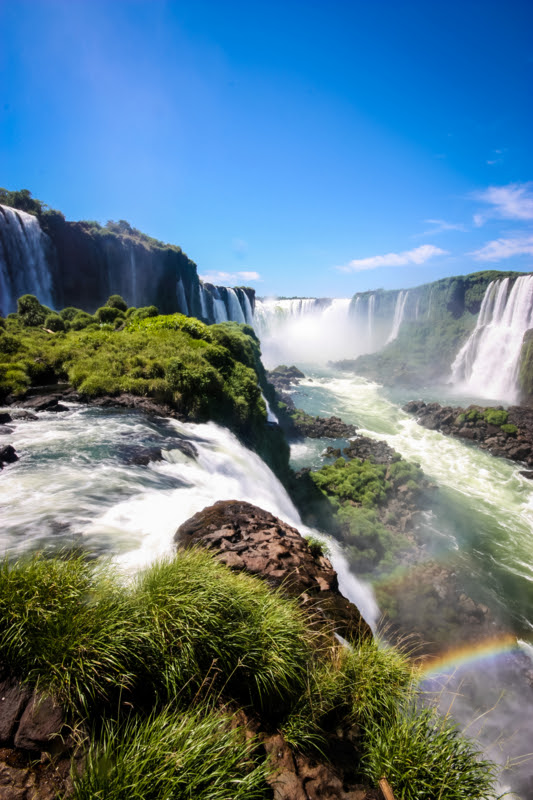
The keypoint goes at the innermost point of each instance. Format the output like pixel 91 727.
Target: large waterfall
pixel 488 363
pixel 320 329
pixel 24 254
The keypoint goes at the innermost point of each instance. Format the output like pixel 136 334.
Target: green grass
pixel 80 635
pixel 147 663
pixel 194 754
pixel 424 757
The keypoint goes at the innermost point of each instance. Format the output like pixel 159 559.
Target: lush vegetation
pixel 352 502
pixel 205 372
pixel 155 667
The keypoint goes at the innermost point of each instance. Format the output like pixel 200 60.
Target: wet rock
pixel 371 450
pixel 24 416
pixel 43 403
pixel 248 538
pixel 138 455
pixel 8 455
pixel 283 377
pixel 5 430
pixel 4 417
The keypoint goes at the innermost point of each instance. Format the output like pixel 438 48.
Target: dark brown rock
pixel 41 726
pixel 4 417
pixel 248 538
pixel 13 700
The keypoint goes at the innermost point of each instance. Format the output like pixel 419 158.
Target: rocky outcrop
pixel 250 539
pixel 513 439
pixel 32 726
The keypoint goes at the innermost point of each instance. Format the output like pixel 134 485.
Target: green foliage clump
pixel 198 754
pixel 424 757
pixel 142 313
pixel 54 322
pixel 116 301
pixel 496 416
pixel 508 428
pixel 30 311
pixel 359 481
pixel 107 314
pixel 67 314
pixel 317 547
pixel 82 320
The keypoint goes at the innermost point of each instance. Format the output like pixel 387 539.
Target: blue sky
pixel 303 148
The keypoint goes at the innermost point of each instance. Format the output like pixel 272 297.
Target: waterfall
pixel 399 311
pixel 133 277
pixel 248 312
pixel 488 363
pixel 371 307
pixel 183 306
pixel 305 329
pixel 203 302
pixel 24 268
pixel 271 417
pixel 219 307
pixel 235 311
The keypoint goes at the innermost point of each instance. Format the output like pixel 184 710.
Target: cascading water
pixel 247 308
pixel 399 311
pixel 235 311
pixel 24 267
pixel 203 302
pixel 487 364
pixel 305 329
pixel 97 497
pixel 370 328
pixel 183 306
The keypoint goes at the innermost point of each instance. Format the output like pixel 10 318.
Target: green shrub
pixel 30 311
pixel 143 313
pixel 53 322
pixel 106 314
pixel 507 428
pixel 81 320
pixel 196 754
pixel 8 344
pixel 116 301
pixel 69 313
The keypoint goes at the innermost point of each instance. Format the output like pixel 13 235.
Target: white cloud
pixel 514 201
pixel 230 278
pixel 441 226
pixel 504 248
pixel 417 256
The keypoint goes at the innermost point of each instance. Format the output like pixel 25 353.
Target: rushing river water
pixel 481 522
pixel 77 484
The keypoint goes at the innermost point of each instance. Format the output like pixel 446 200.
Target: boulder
pixel 8 455
pixel 248 538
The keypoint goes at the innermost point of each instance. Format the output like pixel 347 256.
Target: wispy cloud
pixel 514 201
pixel 230 278
pixel 417 256
pixel 441 226
pixel 504 248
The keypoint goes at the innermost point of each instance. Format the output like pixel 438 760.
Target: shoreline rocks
pixel 513 439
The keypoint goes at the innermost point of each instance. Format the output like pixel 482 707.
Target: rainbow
pixel 468 655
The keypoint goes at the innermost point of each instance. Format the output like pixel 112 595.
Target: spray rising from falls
pixel 488 363
pixel 23 259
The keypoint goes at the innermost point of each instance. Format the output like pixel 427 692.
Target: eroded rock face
pixel 248 538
